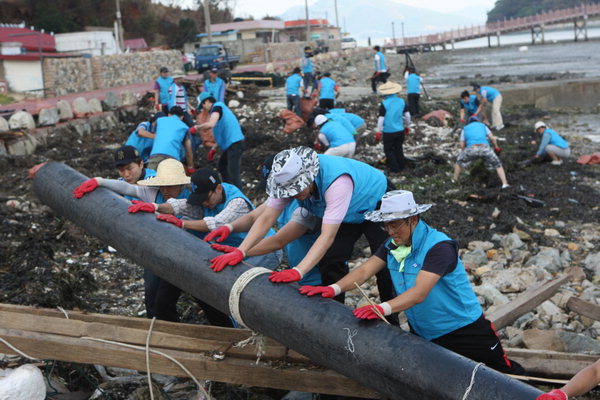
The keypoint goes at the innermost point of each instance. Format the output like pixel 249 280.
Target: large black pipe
pixel 395 363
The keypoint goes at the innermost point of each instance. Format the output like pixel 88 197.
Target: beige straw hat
pixel 390 88
pixel 169 172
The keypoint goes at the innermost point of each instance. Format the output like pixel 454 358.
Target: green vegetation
pixel 521 8
pixel 4 99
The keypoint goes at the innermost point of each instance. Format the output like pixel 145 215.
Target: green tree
pixel 522 8
pixel 185 33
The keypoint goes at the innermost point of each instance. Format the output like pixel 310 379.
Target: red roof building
pixel 30 40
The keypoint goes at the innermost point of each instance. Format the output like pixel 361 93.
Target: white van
pixel 349 43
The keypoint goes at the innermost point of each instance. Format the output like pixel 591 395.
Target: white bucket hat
pixel 169 172
pixel 320 120
pixel 177 75
pixel 293 171
pixel 397 204
pixel 390 88
pixel 539 124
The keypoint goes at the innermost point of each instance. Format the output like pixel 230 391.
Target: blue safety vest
pixel 163 92
pixel 142 144
pixel 327 90
pixel 215 88
pixel 296 250
pixel 336 133
pixel 491 93
pixel 381 60
pixel 556 139
pixel 227 130
pixel 341 119
pixel 307 66
pixel 369 187
pixel 413 84
pixel 292 85
pixel 470 106
pixel 354 119
pixel 394 111
pixel 475 133
pixel 170 133
pixel 184 194
pixel 451 304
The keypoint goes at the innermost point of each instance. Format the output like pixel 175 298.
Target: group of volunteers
pixel 318 206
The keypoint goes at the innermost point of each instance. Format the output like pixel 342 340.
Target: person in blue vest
pixel 413 89
pixel 142 138
pixel 357 122
pixel 178 97
pixel 328 91
pixel 475 144
pixel 469 107
pixel 337 190
pixel 380 74
pixel 294 88
pixel 172 140
pixel 161 90
pixel 130 166
pixel 338 117
pixel 214 85
pixel 170 182
pixel 492 96
pixel 393 122
pixel 310 84
pixel 336 136
pixel 229 137
pixel 552 145
pixel 430 281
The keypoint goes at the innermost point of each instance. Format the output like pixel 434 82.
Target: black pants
pixel 309 80
pixel 293 104
pixel 151 283
pixel 326 103
pixel 230 164
pixel 479 342
pixel 394 153
pixel 382 77
pixel 413 104
pixel 166 306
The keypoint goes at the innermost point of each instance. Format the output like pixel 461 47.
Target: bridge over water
pixel 578 15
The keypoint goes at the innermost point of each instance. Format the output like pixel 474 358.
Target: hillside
pixel 521 8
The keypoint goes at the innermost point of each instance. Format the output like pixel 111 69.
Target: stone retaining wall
pixel 67 75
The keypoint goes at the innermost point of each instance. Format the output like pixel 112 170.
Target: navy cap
pixel 125 155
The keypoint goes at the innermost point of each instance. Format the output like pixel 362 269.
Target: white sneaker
pixel 505 186
pixel 556 162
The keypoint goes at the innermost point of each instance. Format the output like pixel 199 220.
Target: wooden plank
pixel 550 363
pixel 527 301
pixel 229 370
pixel 584 308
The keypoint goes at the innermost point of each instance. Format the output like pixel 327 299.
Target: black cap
pixel 203 181
pixel 214 69
pixel 296 70
pixel 125 155
pixel 164 69
pixel 176 110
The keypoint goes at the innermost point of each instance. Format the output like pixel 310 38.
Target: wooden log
pixel 584 308
pixel 550 363
pixel 527 301
pixel 229 370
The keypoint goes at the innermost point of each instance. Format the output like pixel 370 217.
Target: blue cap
pixel 204 96
pixel 473 118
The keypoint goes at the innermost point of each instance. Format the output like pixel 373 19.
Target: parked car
pixel 214 55
pixel 349 43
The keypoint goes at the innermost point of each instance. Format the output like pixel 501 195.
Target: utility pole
pixel 307 21
pixel 337 22
pixel 206 4
pixel 120 27
pixel 402 32
pixel 393 35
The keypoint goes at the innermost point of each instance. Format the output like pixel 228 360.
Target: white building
pixel 96 43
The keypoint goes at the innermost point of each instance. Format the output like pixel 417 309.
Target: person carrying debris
pixel 214 85
pixel 161 90
pixel 552 145
pixel 310 84
pixel 294 87
pixel 334 135
pixel 430 281
pixel 393 121
pixel 413 88
pixel 142 138
pixel 469 107
pixel 336 190
pixel 229 137
pixel 475 145
pixel 380 74
pixel 328 91
pixel 584 381
pixel 490 95
pixel 172 140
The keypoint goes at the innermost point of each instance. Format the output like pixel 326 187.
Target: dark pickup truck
pixel 214 55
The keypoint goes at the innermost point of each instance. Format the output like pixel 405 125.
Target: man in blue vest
pixel 172 140
pixel 431 284
pixel 214 85
pixel 552 145
pixel 469 107
pixel 413 88
pixel 308 72
pixel 380 74
pixel 142 138
pixel 334 135
pixel 356 121
pixel 328 91
pixel 493 96
pixel 130 165
pixel 393 121
pixel 161 90
pixel 228 135
pixel 294 87
pixel 475 144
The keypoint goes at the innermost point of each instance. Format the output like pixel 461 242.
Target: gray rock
pixel 592 263
pixel 23 147
pixel 496 238
pixel 475 258
pixel 128 98
pixel 4 127
pixel 565 259
pixel 233 104
pixel 275 105
pixel 81 108
pixel 514 280
pixel 543 340
pixel 548 258
pixel 577 343
pixel 65 112
pixel 515 336
pixel 549 309
pixel 48 116
pixel 478 244
pixel 95 106
pixel 111 100
pixel 491 294
pixel 524 320
pixel 21 120
pixel 3 151
pixel 512 241
pixel 559 224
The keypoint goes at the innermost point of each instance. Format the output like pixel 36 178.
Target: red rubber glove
pixel 317 146
pixel 497 149
pixel 285 276
pixel 88 186
pixel 211 154
pixel 193 130
pixel 170 219
pixel 366 312
pixel 193 112
pixel 33 170
pixel 220 262
pixel 324 291
pixel 140 206
pixel 158 107
pixel 462 120
pixel 223 247
pixel 221 233
pixel 555 394
pixel 377 136
pixel 189 171
pixel 407 131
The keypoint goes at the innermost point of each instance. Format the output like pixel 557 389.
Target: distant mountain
pixel 368 18
pixel 522 8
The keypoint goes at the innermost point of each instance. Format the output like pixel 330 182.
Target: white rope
pixel 148 358
pixel 472 381
pixel 256 339
pixel 19 352
pixel 238 287
pixel 63 311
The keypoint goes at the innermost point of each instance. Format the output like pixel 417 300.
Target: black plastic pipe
pixel 393 362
